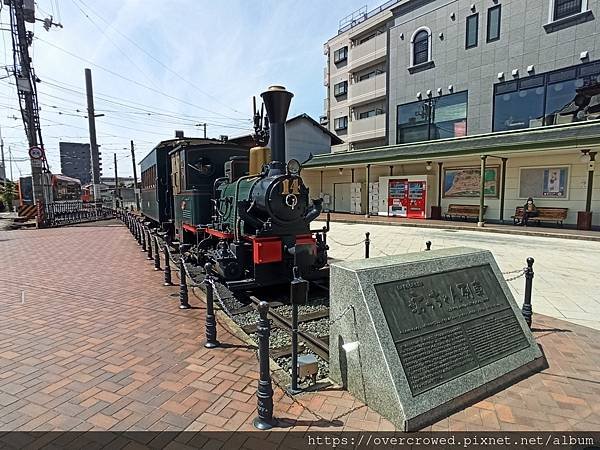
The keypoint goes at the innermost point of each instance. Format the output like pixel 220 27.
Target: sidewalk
pixel 508 228
pixel 91 340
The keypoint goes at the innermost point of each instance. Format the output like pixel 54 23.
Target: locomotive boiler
pixel 261 221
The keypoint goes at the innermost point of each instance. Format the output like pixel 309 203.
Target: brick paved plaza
pixel 91 340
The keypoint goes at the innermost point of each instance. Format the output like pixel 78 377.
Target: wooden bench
pixel 545 214
pixel 463 212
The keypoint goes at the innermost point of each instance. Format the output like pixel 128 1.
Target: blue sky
pixel 184 61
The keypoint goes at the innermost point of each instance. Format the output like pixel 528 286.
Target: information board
pixel 447 324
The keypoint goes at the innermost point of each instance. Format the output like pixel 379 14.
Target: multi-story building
pixel 511 83
pixel 356 78
pixel 76 161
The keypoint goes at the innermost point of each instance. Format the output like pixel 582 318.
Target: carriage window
pixel 199 170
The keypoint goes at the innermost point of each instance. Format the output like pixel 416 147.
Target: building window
pixel 493 23
pixel 472 30
pixel 340 88
pixel 566 8
pixel 372 73
pixel 341 123
pixel 558 97
pixel 434 118
pixel 370 113
pixel 421 46
pixel 340 55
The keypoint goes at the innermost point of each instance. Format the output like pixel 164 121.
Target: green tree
pixel 7 193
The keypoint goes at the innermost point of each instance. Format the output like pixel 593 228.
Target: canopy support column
pixel 480 223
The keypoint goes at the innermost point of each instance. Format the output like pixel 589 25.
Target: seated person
pixel 529 210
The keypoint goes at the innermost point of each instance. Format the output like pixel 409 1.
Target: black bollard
pixel 168 281
pixel 156 254
pixel 367 244
pixel 138 233
pixel 149 245
pixel 427 246
pixel 183 289
pixel 143 237
pixel 298 296
pixel 211 321
pixel 264 394
pixel 527 310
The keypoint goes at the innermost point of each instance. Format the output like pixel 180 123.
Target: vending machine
pixel 406 196
pixel 417 196
pixel 397 198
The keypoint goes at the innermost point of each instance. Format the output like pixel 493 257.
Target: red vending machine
pixel 406 196
pixel 417 205
pixel 397 198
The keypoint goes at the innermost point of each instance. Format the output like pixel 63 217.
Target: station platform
pixel 91 340
pixel 545 230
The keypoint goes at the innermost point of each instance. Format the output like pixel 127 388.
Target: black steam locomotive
pixel 257 227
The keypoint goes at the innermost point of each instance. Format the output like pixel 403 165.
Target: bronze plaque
pixel 450 323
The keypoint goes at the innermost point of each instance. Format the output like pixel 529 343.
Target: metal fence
pixel 69 212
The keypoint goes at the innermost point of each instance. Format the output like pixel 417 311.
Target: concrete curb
pixel 488 229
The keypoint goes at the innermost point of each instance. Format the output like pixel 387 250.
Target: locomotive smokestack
pixel 277 102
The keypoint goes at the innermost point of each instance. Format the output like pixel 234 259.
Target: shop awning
pixel 576 135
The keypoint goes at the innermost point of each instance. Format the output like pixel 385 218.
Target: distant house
pixel 303 137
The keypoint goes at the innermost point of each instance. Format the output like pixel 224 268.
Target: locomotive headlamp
pixel 293 167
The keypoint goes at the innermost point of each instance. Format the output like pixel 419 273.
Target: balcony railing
pixel 367 90
pixel 365 129
pixel 367 52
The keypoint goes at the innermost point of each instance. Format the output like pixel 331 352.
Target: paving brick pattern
pixel 91 340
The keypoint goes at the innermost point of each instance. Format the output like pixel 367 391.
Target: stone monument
pixel 422 335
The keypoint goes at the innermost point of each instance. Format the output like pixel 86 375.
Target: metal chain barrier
pixel 329 238
pixel 520 273
pixel 379 250
pixel 219 298
pixel 348 308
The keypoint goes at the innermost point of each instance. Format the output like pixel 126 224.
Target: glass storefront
pixel 562 96
pixel 434 118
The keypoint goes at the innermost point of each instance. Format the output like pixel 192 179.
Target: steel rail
pixel 319 346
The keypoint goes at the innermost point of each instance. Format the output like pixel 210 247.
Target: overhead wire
pixel 165 66
pixel 137 83
pixel 133 63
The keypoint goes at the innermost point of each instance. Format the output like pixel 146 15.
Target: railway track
pixel 313 318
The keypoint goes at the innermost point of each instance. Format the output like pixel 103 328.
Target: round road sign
pixel 36 153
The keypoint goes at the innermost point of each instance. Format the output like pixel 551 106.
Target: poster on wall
pixel 544 182
pixel 465 181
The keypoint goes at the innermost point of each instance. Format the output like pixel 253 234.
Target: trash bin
pixel 436 212
pixel 584 220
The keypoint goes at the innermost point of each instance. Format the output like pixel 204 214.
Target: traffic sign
pixel 36 153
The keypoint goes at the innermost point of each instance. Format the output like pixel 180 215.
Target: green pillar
pixel 480 223
pixel 368 211
pixel 590 183
pixel 503 189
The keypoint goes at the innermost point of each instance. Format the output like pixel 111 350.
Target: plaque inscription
pixel 450 323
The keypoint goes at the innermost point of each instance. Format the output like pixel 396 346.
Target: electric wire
pixel 165 66
pixel 137 83
pixel 133 63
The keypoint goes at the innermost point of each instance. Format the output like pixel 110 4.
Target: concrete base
pixel 480 224
pixel 367 359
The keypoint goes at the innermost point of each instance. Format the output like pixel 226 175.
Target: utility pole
pixel 95 154
pixel 135 182
pixel 27 91
pixel 117 190
pixel 3 168
pixel 202 125
pixel 10 162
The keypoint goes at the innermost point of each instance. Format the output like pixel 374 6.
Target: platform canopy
pixel 570 136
